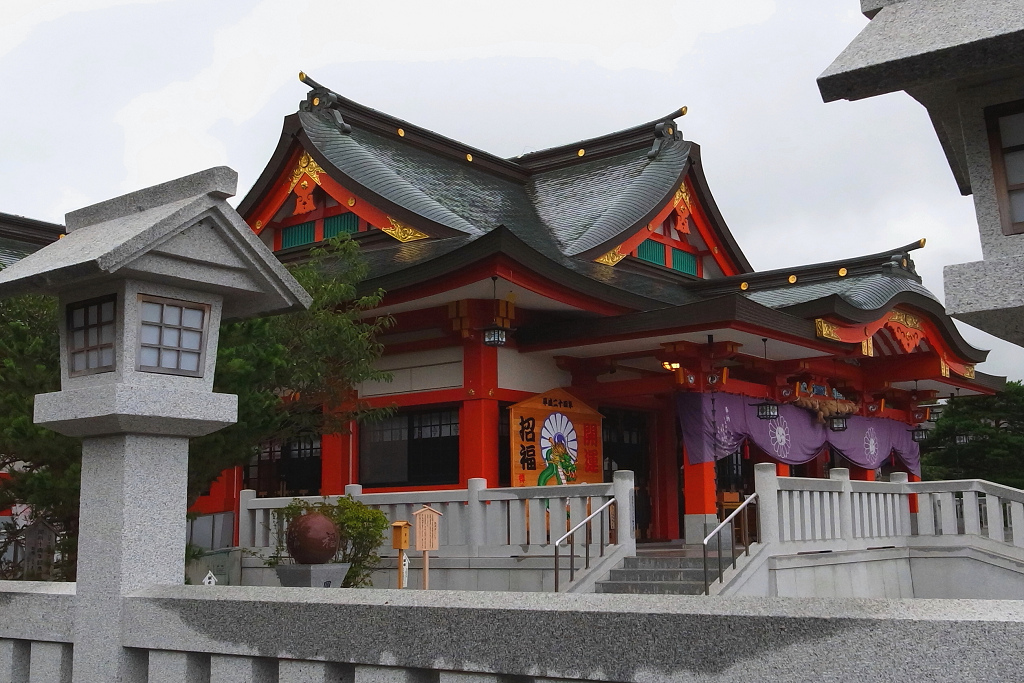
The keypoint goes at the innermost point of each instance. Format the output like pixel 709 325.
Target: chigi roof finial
pixel 319 101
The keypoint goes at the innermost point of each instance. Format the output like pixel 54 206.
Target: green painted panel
pixel 342 223
pixel 652 252
pixel 297 235
pixel 684 261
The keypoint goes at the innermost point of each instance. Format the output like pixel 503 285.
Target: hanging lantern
pixel 919 434
pixel 934 413
pixel 768 410
pixel 837 423
pixel 495 335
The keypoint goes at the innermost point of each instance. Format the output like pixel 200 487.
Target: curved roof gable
pixel 577 200
pixel 589 204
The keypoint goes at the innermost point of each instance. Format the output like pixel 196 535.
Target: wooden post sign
pixel 400 541
pixel 427 524
pixel 556 439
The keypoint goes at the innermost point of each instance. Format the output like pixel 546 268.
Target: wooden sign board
pixel 427 523
pixel 556 439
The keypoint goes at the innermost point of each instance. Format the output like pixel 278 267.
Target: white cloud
pixel 167 131
pixel 19 19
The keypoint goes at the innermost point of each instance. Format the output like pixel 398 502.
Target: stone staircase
pixel 673 575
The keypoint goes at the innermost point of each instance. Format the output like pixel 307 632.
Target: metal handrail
pixel 572 548
pixel 718 532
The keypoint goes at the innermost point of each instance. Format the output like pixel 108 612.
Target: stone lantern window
pixel 1006 137
pixel 172 336
pixel 91 336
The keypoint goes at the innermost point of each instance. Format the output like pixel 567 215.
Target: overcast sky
pixel 100 97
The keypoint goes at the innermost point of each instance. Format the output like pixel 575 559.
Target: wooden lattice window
pixel 91 327
pixel 418 447
pixel 172 336
pixel 346 223
pixel 651 251
pixel 684 261
pixel 298 235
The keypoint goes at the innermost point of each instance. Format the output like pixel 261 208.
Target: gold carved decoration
pixel 905 319
pixel 943 368
pixel 969 371
pixel 826 330
pixel 611 258
pixel 306 166
pixel 867 347
pixel 825 407
pixel 682 195
pixel 402 232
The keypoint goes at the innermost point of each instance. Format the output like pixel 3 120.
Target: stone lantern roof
pixel 181 232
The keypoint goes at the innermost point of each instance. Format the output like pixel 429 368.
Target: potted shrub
pixel 332 544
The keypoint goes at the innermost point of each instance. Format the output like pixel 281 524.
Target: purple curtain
pixel 715 425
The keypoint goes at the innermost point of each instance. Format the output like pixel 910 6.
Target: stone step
pixel 665 562
pixel 652 587
pixel 644 575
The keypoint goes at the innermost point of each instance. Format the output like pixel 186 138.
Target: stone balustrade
pixel 198 634
pixel 840 514
pixel 477 521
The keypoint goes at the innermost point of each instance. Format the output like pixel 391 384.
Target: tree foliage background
pixel 994 431
pixel 294 376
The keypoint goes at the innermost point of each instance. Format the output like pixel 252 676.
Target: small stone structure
pixel 40 545
pixel 144 281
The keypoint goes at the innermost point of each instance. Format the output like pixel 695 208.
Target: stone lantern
pixel 143 282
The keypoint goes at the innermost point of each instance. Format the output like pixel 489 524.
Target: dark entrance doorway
pixel 626 447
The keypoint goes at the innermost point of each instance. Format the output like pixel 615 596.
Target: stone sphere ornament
pixel 312 539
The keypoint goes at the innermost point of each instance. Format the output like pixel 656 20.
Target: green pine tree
pixel 991 443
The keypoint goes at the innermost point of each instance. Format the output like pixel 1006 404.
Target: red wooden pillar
pixel 861 474
pixel 781 469
pixel 478 415
pixel 700 504
pixel 913 496
pixel 333 474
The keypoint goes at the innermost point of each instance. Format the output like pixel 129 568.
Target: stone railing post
pixel 903 497
pixel 246 528
pixel 766 485
pixel 625 502
pixel 842 474
pixel 354 490
pixel 477 511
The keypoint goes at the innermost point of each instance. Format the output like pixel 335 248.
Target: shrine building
pixel 599 276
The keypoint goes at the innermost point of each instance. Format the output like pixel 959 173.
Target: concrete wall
pixel 852 574
pixel 446 573
pixel 889 573
pixel 965 573
pixel 533 372
pixel 419 371
pixel 444 637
